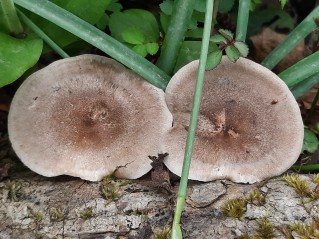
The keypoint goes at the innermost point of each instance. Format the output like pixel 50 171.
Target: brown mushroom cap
pixel 250 127
pixel 85 116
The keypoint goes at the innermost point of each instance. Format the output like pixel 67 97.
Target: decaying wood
pixel 33 206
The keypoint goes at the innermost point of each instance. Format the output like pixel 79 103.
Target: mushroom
pixel 249 127
pixel 87 116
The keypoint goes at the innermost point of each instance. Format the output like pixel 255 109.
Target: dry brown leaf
pixel 267 40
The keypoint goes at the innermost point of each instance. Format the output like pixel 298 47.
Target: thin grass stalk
pixel 292 40
pixel 97 38
pixel 182 12
pixel 242 20
pixel 42 35
pixel 302 87
pixel 11 18
pixel 312 109
pixel 308 167
pixel 301 70
pixel 176 230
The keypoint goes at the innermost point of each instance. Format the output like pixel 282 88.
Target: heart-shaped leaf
pixel 232 53
pixel 242 48
pixel 133 36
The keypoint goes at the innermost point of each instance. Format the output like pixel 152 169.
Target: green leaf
pixel 218 39
pixel 140 49
pixel 103 22
pixel 167 7
pixel 164 20
pixel 242 48
pixel 213 59
pixel 190 50
pixel 225 5
pixel 283 3
pixel 17 56
pixel 139 19
pixel 232 53
pixel 114 6
pixel 91 13
pixel 152 48
pixel 227 34
pixel 133 36
pixel 310 142
pixel 200 5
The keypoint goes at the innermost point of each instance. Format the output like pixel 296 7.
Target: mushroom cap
pixel 87 116
pixel 249 127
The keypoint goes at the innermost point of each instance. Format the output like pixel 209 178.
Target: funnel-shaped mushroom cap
pixel 85 116
pixel 249 128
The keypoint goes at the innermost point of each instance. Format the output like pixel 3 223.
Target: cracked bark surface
pixel 142 210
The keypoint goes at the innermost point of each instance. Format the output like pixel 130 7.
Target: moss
pixel 265 229
pixel 305 231
pixel 315 178
pixel 86 213
pixel 235 208
pixel 37 216
pixel 257 198
pixel 110 192
pixel 300 185
pixel 163 234
pixel 56 215
pixel 13 188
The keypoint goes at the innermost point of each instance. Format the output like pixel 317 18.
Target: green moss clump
pixel 300 185
pixel 163 234
pixel 86 213
pixel 56 215
pixel 36 216
pixel 13 189
pixel 257 198
pixel 265 229
pixel 235 208
pixel 306 231
pixel 110 192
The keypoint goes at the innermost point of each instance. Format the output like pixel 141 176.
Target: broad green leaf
pixel 310 142
pixel 242 48
pixel 218 39
pixel 213 59
pixel 91 13
pixel 167 7
pixel 152 48
pixel 225 5
pixel 139 19
pixel 133 36
pixel 164 19
pixel 195 33
pixel 114 6
pixel 227 34
pixel 140 49
pixel 232 53
pixel 190 51
pixel 283 3
pixel 17 56
pixel 103 22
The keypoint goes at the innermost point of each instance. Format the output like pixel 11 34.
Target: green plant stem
pixel 313 107
pixel 182 12
pixel 309 167
pixel 11 17
pixel 242 20
pixel 97 38
pixel 292 40
pixel 301 70
pixel 42 35
pixel 176 231
pixel 302 87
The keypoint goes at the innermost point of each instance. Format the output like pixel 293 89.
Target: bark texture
pixel 32 206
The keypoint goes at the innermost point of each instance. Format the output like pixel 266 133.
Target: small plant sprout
pixel 56 215
pixel 300 185
pixel 162 234
pixel 235 208
pixel 86 213
pixel 13 189
pixel 256 197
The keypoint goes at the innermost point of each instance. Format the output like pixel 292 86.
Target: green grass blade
pixel 11 18
pixel 42 35
pixel 301 70
pixel 97 38
pixel 174 37
pixel 309 167
pixel 176 230
pixel 242 20
pixel 302 87
pixel 292 40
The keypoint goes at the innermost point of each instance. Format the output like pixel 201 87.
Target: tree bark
pixel 33 206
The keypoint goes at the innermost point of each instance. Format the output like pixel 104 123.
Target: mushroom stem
pixel 176 230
